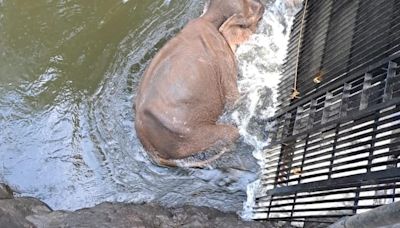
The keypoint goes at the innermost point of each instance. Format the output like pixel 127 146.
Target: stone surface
pixel 130 215
pixel 31 212
pixel 5 192
pixel 13 212
pixel 385 217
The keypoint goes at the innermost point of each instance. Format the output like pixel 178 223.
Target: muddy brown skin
pixel 191 80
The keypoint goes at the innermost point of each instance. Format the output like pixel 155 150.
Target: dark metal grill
pixel 287 81
pixel 335 151
pixel 341 36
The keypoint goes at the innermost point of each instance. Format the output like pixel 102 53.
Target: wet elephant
pixel 191 80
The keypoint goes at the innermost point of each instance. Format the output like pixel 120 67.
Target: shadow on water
pixel 69 71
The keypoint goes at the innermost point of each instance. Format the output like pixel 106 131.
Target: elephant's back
pixel 201 35
pixel 182 87
pixel 186 73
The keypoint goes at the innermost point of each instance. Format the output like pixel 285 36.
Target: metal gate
pixel 335 150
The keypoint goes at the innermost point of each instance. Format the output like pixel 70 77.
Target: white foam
pixel 260 60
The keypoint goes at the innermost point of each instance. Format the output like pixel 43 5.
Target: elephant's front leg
pixel 231 96
pixel 230 88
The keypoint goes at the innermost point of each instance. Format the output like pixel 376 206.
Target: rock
pixel 149 215
pixel 5 192
pixel 384 216
pixel 13 212
pixel 31 212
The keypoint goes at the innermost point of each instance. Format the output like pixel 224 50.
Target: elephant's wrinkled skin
pixel 191 80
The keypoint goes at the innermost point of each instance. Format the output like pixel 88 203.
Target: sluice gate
pixel 336 145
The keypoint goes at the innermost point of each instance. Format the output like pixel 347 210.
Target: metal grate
pixel 347 162
pixel 335 151
pixel 287 81
pixel 344 35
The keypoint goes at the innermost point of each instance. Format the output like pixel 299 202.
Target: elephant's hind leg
pixel 190 162
pixel 217 137
pixel 193 162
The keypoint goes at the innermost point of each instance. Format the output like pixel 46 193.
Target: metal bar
pixel 356 200
pixel 352 74
pixel 391 74
pixel 368 178
pixel 313 216
pixel 333 151
pixel 349 161
pixel 348 199
pixel 388 184
pixel 364 94
pixel 395 143
pixel 348 118
pixel 303 159
pixel 324 209
pixel 300 220
pixel 347 170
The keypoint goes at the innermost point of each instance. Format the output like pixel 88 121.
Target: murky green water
pixel 69 70
pixel 61 50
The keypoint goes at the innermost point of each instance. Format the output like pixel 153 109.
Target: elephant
pixel 191 81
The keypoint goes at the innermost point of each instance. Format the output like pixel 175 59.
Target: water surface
pixel 69 71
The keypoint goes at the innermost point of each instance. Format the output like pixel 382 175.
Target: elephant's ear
pixel 236 30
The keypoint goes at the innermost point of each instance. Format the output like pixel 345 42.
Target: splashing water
pixel 260 61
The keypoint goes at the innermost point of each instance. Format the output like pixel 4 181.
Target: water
pixel 260 64
pixel 69 71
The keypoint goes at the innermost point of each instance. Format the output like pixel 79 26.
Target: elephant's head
pixel 235 19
